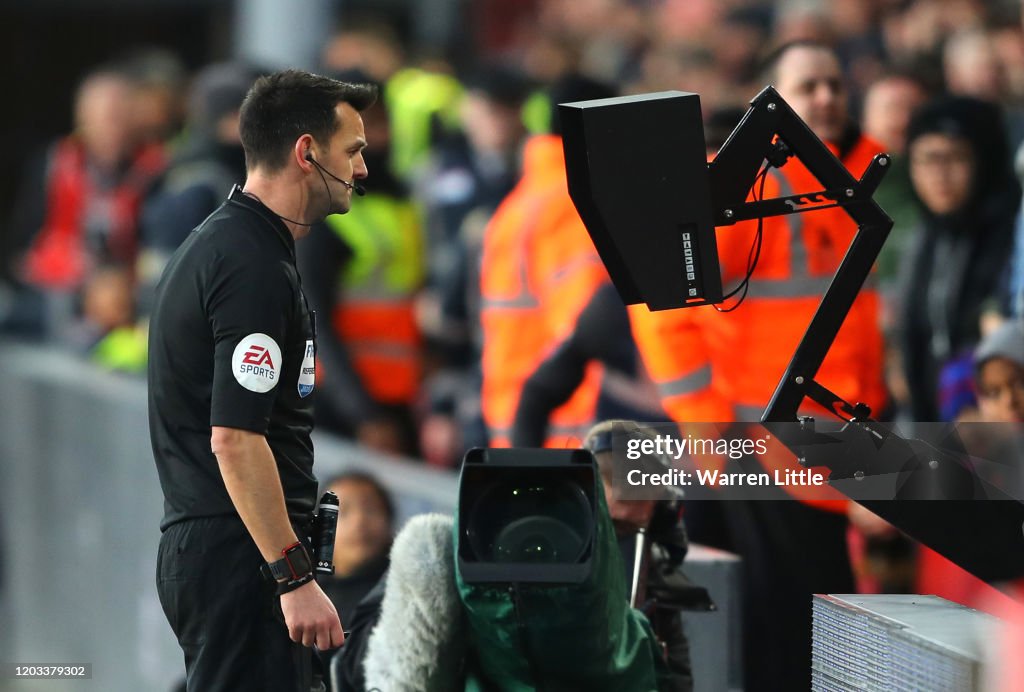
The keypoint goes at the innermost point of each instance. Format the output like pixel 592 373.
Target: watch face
pixel 299 561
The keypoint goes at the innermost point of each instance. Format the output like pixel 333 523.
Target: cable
pixel 320 170
pixel 755 247
pixel 283 218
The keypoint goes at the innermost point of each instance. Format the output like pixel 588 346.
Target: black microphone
pixel 355 187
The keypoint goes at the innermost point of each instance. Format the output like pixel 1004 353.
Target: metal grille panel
pixel 898 642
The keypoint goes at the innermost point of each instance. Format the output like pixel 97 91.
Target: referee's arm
pixel 250 475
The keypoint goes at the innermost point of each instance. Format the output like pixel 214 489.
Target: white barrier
pixel 80 506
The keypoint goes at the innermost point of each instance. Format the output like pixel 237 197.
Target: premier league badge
pixel 307 372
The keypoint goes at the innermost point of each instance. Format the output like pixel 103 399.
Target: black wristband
pixel 289 586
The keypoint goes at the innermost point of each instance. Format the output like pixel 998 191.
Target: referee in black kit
pixel 231 368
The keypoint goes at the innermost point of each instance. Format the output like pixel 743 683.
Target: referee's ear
pixel 302 153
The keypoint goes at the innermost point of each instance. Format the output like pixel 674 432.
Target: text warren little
pixel 805 477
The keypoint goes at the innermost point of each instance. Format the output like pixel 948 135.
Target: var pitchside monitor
pixel 637 172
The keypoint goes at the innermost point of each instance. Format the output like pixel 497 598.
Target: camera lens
pixel 537 539
pixel 537 522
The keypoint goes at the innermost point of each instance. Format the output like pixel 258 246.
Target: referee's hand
pixel 311 617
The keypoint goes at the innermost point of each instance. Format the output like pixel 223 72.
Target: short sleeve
pixel 249 305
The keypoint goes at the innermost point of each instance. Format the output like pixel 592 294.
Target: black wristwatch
pixel 294 565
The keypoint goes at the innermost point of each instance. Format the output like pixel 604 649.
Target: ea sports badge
pixel 256 363
pixel 307 372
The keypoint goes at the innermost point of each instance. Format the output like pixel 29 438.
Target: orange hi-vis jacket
pixel 539 269
pixel 724 367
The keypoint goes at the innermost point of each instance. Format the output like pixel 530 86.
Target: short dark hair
pixel 356 476
pixel 283 106
pixel 771 61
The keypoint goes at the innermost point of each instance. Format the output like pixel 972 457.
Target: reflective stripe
pixel 801 284
pixel 386 240
pixel 640 394
pixel 569 430
pixel 562 272
pixel 687 384
pixel 798 263
pixel 520 302
pixel 797 287
pixel 524 300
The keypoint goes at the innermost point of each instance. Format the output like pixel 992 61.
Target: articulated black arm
pixel 977 525
pixel 771 131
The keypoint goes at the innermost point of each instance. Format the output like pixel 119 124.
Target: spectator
pixel 994 434
pixel 918 30
pixel 110 329
pixel 409 631
pixel 539 269
pixel 600 334
pixel 365 44
pixel 968 197
pixel 888 105
pixel 209 161
pixel 421 100
pixel 973 67
pixel 476 168
pixel 470 174
pixel 362 272
pixel 743 31
pixel 661 520
pixel 999 374
pixel 79 209
pixel 158 100
pixel 366 527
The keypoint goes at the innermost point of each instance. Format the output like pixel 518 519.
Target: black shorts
pixel 224 613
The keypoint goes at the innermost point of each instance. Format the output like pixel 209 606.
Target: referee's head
pixel 282 107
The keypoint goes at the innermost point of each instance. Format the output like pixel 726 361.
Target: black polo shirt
pixel 231 343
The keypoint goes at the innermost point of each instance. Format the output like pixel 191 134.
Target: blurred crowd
pixel 461 303
pixel 939 85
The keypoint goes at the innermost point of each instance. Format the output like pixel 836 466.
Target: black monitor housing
pixel 648 213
